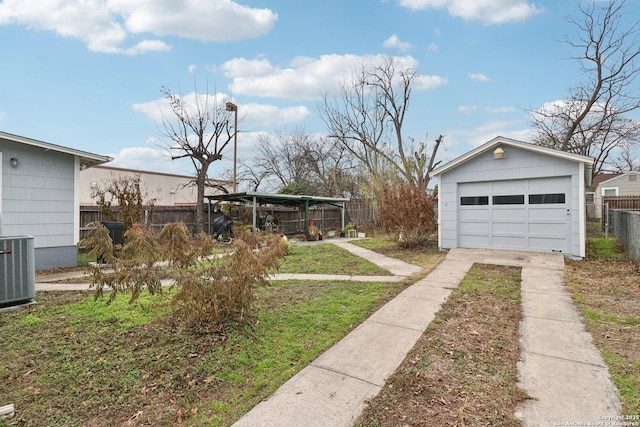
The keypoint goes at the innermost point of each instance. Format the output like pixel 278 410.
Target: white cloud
pixel 2 115
pixel 145 158
pixel 478 77
pixel 394 42
pixel 432 47
pixel 248 114
pixel 192 68
pixel 309 78
pixel 467 109
pixel 107 26
pixel 499 110
pixel 485 11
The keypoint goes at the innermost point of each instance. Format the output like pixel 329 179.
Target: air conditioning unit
pixel 17 270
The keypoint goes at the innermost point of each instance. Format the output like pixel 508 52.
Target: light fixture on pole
pixel 233 107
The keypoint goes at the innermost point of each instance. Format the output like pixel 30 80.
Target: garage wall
pixel 517 164
pixel 38 200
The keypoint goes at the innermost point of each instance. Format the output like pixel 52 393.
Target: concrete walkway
pixel 560 368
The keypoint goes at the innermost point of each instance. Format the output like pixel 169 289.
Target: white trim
pixel 582 213
pixel 1 165
pixel 76 200
pixel 610 188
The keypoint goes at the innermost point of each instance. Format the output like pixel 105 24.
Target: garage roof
pixel 86 159
pixel 500 140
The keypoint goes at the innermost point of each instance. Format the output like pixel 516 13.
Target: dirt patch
pixel 463 369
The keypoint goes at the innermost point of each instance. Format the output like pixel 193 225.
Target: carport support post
pixel 306 217
pixel 343 208
pixel 255 210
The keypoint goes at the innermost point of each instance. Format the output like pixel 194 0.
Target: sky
pixel 87 74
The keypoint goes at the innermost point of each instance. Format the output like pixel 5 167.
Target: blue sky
pixel 87 73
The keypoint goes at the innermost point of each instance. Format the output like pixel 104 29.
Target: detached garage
pixel 509 194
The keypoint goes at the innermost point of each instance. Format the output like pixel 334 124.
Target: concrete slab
pixel 565 392
pixel 549 306
pixel 559 339
pixel 371 352
pixel 449 273
pixel 315 397
pixel 423 290
pixel 410 313
pixel 396 267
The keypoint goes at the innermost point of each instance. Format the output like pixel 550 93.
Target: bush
pixel 407 212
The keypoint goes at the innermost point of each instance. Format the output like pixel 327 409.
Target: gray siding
pixel 517 164
pixel 38 200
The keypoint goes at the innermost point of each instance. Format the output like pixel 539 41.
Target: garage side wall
pixel 516 164
pixel 38 200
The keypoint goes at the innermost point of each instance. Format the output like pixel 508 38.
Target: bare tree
pixel 368 117
pixel 199 130
pixel 594 119
pixel 303 161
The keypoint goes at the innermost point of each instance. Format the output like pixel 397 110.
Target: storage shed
pixel 513 195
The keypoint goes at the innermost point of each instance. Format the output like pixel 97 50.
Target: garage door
pixel 530 214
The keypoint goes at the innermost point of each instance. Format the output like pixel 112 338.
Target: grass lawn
pixel 325 258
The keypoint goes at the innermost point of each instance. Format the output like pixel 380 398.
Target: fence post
pixel 606 220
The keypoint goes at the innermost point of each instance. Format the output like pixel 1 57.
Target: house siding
pixel 38 201
pixel 517 164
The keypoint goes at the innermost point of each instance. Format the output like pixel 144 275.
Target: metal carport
pixel 291 200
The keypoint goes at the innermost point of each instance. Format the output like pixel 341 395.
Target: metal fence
pixel 625 225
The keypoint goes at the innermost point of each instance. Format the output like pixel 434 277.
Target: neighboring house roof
pixel 606 178
pixel 603 177
pixel 146 172
pixel 86 159
pixel 502 141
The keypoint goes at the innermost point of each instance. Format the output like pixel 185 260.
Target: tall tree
pixel 595 119
pixel 367 118
pixel 301 161
pixel 200 129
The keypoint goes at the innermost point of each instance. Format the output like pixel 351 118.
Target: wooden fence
pixel 627 203
pixel 283 219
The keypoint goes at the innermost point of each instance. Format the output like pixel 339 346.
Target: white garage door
pixel 528 214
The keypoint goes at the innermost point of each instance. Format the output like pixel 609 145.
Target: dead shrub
pixel 222 289
pixel 210 290
pixel 408 212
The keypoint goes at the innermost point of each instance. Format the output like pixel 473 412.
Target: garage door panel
pixel 547 229
pixel 553 213
pixel 474 227
pixel 515 214
pixel 475 241
pixel 474 214
pixel 509 242
pixel 508 228
pixel 547 243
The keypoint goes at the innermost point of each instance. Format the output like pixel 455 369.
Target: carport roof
pixel 276 199
pixel 500 140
